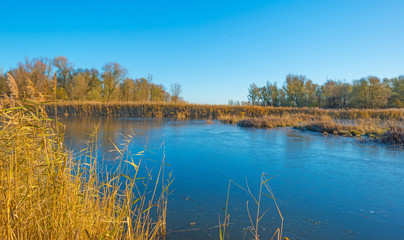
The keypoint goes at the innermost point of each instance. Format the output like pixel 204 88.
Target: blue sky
pixel 214 49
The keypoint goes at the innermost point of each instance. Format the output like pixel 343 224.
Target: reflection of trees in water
pixel 116 129
pixel 107 128
pixel 148 132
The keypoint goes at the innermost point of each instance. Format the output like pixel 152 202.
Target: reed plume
pixel 12 85
pixel 34 93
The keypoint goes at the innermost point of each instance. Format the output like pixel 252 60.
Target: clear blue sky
pixel 214 49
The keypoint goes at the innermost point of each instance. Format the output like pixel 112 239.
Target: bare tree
pixel 254 94
pixel 175 90
pixel 128 89
pixel 113 75
pixel 38 71
pixel 64 71
pixel 78 87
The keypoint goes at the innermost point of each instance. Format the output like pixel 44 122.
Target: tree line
pixel 59 77
pixel 299 91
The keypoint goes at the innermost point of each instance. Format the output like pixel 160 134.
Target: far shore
pixel 182 110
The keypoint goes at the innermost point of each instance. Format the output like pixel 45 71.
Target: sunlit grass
pixel 47 193
pixel 376 130
pixel 199 111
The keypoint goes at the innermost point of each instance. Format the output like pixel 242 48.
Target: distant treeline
pixel 59 78
pixel 111 83
pixel 298 91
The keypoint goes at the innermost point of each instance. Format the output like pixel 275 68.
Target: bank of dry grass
pixel 375 130
pixel 47 193
pixel 389 132
pixel 356 128
pixel 199 111
pixel 393 136
pixel 279 121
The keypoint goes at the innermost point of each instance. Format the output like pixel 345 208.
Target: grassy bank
pixel 353 128
pixel 389 132
pixel 375 131
pixel 271 121
pixel 47 193
pixel 198 111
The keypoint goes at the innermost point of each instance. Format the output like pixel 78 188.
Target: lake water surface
pixel 327 187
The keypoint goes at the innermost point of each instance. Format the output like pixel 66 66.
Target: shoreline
pixel 204 111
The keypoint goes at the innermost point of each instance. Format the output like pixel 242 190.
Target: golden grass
pixel 360 127
pixel 198 111
pixel 47 193
pixel 386 132
pixel 389 132
pixel 279 121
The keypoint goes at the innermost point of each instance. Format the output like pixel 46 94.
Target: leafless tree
pixel 112 75
pixel 176 90
pixel 64 71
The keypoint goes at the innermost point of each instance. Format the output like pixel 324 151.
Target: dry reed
pixel 198 111
pixel 46 192
pixel 254 228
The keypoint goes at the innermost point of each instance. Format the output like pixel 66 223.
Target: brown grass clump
pixel 375 130
pixel 230 119
pixel 372 128
pixel 47 193
pixel 272 120
pixel 387 132
pixel 393 136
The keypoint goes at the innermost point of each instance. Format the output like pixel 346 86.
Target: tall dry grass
pixel 199 111
pixel 393 136
pixel 46 192
pixel 389 132
pixel 254 229
pixel 359 127
pixel 273 121
pixel 375 130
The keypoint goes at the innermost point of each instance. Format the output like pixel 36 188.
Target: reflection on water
pixel 328 187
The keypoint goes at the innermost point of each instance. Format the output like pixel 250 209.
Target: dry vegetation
pixel 46 192
pixel 197 111
pixel 389 132
pixel 272 121
pixel 355 128
pixel 255 229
